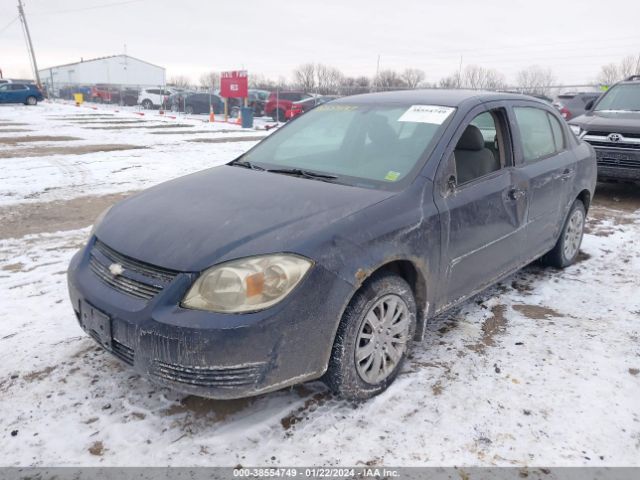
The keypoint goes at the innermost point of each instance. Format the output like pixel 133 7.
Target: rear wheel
pixel 373 338
pixel 278 115
pixel 189 109
pixel 31 100
pixel 566 250
pixel 147 104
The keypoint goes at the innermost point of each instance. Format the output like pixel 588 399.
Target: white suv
pixel 154 97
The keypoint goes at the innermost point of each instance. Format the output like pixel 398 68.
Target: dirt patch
pixel 204 407
pixel 81 116
pixel 14 130
pixel 97 448
pixel 618 196
pixel 36 138
pixel 71 150
pixel 537 312
pixel 492 326
pixel 196 131
pixel 13 124
pixel 228 139
pixel 29 218
pixel 310 405
pixel 39 374
pixel 13 267
pixel 634 371
pixel 99 121
pixel 125 127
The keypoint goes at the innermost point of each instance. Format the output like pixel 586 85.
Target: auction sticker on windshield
pixel 433 114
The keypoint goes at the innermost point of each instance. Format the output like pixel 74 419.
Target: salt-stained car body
pixel 322 251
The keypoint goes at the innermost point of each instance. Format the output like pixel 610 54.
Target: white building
pixel 115 70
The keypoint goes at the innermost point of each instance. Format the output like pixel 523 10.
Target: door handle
pixel 567 174
pixel 516 194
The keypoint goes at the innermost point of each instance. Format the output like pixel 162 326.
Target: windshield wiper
pixel 246 164
pixel 298 172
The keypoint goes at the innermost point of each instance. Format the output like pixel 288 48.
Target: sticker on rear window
pixel 433 114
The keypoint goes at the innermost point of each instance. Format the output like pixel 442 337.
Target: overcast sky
pixel 189 37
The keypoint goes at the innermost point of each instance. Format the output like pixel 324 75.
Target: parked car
pixel 129 97
pixel 257 100
pixel 573 105
pixel 151 98
pixel 611 125
pixel 176 100
pixel 201 102
pixel 105 94
pixel 298 108
pixel 323 250
pixel 26 93
pixel 279 102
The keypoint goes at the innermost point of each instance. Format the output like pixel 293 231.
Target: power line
pixel 93 7
pixel 9 24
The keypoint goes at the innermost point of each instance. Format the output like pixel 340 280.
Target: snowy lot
pixel 543 369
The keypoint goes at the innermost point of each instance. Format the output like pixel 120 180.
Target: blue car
pixel 26 93
pixel 323 251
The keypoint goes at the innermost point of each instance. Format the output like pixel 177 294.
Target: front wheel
pixel 566 250
pixel 188 109
pixel 373 338
pixel 32 101
pixel 147 104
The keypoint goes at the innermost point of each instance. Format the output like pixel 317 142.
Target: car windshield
pixel 621 97
pixel 366 145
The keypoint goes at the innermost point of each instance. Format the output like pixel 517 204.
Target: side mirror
pixel 589 105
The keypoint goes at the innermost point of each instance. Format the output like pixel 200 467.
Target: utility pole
pixel 376 80
pixel 23 19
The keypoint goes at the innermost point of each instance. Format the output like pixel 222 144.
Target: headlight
pixel 98 221
pixel 576 129
pixel 248 284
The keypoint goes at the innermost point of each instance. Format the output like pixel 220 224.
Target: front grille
pixel 604 134
pixel 124 353
pixel 137 279
pixel 621 145
pixel 208 377
pixel 614 157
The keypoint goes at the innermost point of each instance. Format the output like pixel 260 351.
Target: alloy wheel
pixel 573 234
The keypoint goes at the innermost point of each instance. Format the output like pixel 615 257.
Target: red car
pixel 298 108
pixel 279 102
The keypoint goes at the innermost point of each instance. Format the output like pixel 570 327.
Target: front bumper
pixel 208 354
pixel 618 163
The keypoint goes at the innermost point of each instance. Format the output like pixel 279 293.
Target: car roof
pixel 444 97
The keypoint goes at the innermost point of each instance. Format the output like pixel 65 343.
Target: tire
pixel 360 380
pixel 147 104
pixel 188 109
pixel 31 100
pixel 566 249
pixel 278 114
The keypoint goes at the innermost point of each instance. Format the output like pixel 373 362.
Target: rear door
pixel 4 92
pixel 17 93
pixel 548 165
pixel 482 214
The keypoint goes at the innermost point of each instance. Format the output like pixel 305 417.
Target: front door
pixel 483 207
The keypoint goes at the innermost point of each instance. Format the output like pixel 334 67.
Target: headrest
pixel 379 130
pixel 471 139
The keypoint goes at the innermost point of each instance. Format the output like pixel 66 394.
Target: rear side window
pixel 17 86
pixel 535 133
pixel 558 134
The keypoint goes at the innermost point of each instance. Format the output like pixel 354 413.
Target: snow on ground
pixel 153 150
pixel 541 370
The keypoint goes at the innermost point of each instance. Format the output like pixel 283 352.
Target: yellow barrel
pixel 79 98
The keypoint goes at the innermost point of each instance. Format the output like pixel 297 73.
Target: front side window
pixel 535 132
pixel 361 144
pixel 623 97
pixel 479 150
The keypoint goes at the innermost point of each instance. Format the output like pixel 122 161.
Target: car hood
pixel 609 121
pixel 193 222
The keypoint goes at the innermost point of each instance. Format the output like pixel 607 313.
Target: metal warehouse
pixel 115 70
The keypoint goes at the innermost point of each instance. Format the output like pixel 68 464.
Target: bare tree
pixel 179 81
pixel 210 80
pixel 480 78
pixel 452 81
pixel 612 73
pixel 328 79
pixel 305 77
pixel 261 82
pixel 535 79
pixel 388 80
pixel 412 77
